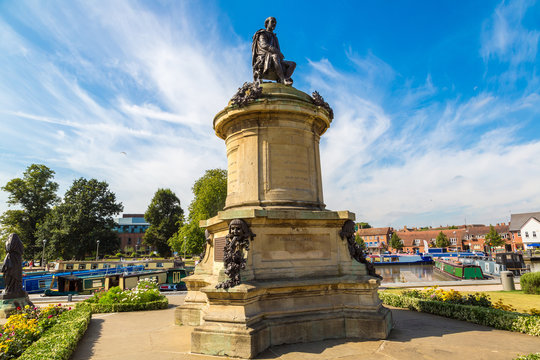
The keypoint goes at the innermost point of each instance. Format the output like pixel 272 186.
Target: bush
pixel 145 296
pixel 530 283
pixel 451 296
pixel 96 308
pixel 529 357
pixel 59 342
pixel 499 319
pixel 25 326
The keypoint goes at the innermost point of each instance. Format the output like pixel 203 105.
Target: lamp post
pixel 43 254
pixel 97 250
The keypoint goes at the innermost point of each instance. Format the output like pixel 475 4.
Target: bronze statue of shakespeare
pixel 266 57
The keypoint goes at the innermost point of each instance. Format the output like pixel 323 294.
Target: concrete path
pixel 152 335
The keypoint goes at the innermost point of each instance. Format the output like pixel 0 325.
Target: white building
pixel 527 226
pixel 530 233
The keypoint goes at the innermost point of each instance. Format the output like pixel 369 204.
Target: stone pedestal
pixel 9 306
pixel 300 283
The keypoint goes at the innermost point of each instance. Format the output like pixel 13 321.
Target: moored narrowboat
pixel 458 270
pixel 390 259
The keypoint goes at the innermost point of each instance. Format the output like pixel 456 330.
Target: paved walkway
pixel 152 335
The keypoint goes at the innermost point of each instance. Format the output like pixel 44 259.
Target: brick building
pixel 462 238
pixel 376 239
pixel 130 229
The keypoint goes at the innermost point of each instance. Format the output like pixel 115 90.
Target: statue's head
pixel 347 230
pixel 14 244
pixel 270 23
pixel 239 227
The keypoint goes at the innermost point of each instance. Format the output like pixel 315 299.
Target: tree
pixel 442 240
pixel 35 194
pixel 210 192
pixel 395 242
pixel 84 217
pixel 493 239
pixel 360 242
pixel 363 225
pixel 165 216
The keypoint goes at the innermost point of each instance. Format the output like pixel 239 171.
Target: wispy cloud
pixel 505 37
pixel 127 98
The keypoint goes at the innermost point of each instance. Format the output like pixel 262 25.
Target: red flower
pixel 50 316
pixel 18 308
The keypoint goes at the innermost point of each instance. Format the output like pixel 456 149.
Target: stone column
pixel 299 282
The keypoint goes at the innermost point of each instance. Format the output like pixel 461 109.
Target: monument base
pixel 9 306
pixel 300 285
pixel 251 317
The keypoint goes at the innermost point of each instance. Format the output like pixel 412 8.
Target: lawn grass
pixel 517 298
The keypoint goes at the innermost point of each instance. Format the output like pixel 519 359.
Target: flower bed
pixel 28 326
pixel 476 308
pixel 145 296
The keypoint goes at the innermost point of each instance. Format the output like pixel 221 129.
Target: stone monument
pixel 14 295
pixel 278 267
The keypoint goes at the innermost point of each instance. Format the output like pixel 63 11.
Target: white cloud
pixel 118 79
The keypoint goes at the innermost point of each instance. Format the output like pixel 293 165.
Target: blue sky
pixel 437 103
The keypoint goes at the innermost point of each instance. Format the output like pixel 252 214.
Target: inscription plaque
pixel 219 248
pixel 296 247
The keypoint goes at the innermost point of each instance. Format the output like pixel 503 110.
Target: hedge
pixel 535 356
pixel 59 342
pixel 530 283
pixel 96 308
pixel 499 319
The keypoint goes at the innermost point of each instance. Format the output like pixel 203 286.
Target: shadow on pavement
pixel 85 348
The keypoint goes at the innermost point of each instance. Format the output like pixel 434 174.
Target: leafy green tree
pixel 165 216
pixel 210 192
pixel 360 242
pixel 34 194
pixel 395 242
pixel 441 241
pixel 84 216
pixel 493 239
pixel 363 225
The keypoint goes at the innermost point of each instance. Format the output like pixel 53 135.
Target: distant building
pixel 376 239
pixel 525 228
pixel 462 238
pixel 130 229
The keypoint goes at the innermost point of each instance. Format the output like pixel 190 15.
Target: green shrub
pixel 96 308
pixel 59 342
pixel 499 319
pixel 535 356
pixel 530 283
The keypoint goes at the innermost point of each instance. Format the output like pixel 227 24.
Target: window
pixel 519 233
pixel 453 241
pixel 82 266
pixel 534 233
pixel 129 241
pixel 416 242
pixel 526 234
pixel 94 266
pixel 159 265
pixel 69 266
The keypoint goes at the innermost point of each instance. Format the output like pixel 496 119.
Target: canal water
pixel 409 273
